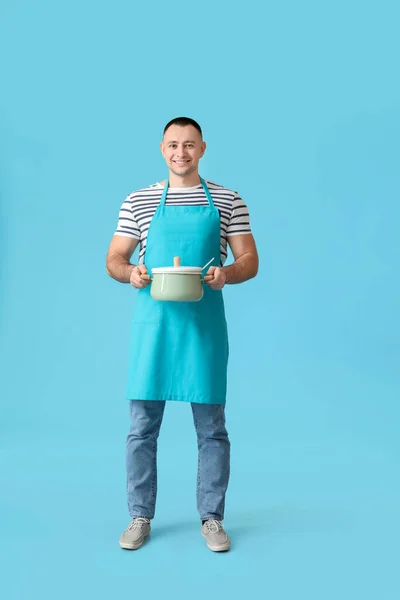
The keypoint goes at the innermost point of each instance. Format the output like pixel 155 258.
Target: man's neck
pixel 182 182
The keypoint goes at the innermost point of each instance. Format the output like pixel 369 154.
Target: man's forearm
pixel 119 268
pixel 244 268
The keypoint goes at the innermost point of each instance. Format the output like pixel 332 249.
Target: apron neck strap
pixel 205 188
pixel 207 192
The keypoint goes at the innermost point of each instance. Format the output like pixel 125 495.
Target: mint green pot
pixel 177 284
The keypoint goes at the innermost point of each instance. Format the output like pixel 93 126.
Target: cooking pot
pixel 177 283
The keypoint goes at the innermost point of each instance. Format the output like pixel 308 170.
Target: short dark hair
pixel 182 122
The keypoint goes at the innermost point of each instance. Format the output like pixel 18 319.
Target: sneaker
pixel 134 536
pixel 215 536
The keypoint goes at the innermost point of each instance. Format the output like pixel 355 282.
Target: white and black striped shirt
pixel 139 208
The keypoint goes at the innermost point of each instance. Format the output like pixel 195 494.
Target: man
pixel 179 350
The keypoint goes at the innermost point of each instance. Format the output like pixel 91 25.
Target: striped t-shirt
pixel 139 208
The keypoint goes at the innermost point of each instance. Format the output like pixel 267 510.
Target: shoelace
pixel 214 526
pixel 138 522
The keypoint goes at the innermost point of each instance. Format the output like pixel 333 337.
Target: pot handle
pixel 208 278
pixel 146 277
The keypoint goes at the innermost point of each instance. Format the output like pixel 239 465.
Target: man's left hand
pixel 218 278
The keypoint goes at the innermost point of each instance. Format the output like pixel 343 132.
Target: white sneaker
pixel 134 536
pixel 215 536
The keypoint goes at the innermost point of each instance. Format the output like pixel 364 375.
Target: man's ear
pixel 204 146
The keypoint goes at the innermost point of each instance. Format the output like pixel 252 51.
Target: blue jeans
pixel 141 458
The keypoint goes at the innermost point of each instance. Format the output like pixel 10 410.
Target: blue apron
pixel 179 350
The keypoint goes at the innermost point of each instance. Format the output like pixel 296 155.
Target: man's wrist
pixel 227 270
pixel 129 269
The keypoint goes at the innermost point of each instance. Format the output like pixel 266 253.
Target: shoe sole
pixel 218 549
pixel 126 546
pixel 224 548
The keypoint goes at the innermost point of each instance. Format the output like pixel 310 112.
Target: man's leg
pixel 141 456
pixel 213 459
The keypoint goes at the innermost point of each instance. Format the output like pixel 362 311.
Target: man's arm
pixel 245 266
pixel 246 259
pixel 118 264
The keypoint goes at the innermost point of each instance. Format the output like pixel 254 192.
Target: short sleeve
pixel 127 225
pixel 239 222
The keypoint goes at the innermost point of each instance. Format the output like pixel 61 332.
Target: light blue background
pixel 299 103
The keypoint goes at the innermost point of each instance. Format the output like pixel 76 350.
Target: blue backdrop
pixel 299 103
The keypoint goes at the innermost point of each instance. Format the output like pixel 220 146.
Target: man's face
pixel 182 148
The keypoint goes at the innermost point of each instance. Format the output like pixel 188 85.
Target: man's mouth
pixel 181 163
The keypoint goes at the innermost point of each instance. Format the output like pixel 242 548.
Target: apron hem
pixel 164 397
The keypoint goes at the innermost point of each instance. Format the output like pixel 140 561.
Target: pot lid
pixel 178 270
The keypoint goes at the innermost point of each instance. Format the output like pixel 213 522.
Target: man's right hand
pixel 136 277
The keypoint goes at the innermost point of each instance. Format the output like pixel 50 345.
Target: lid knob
pixel 177 261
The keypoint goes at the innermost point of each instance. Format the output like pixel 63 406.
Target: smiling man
pixel 179 350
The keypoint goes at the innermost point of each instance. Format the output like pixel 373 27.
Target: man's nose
pixel 180 151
